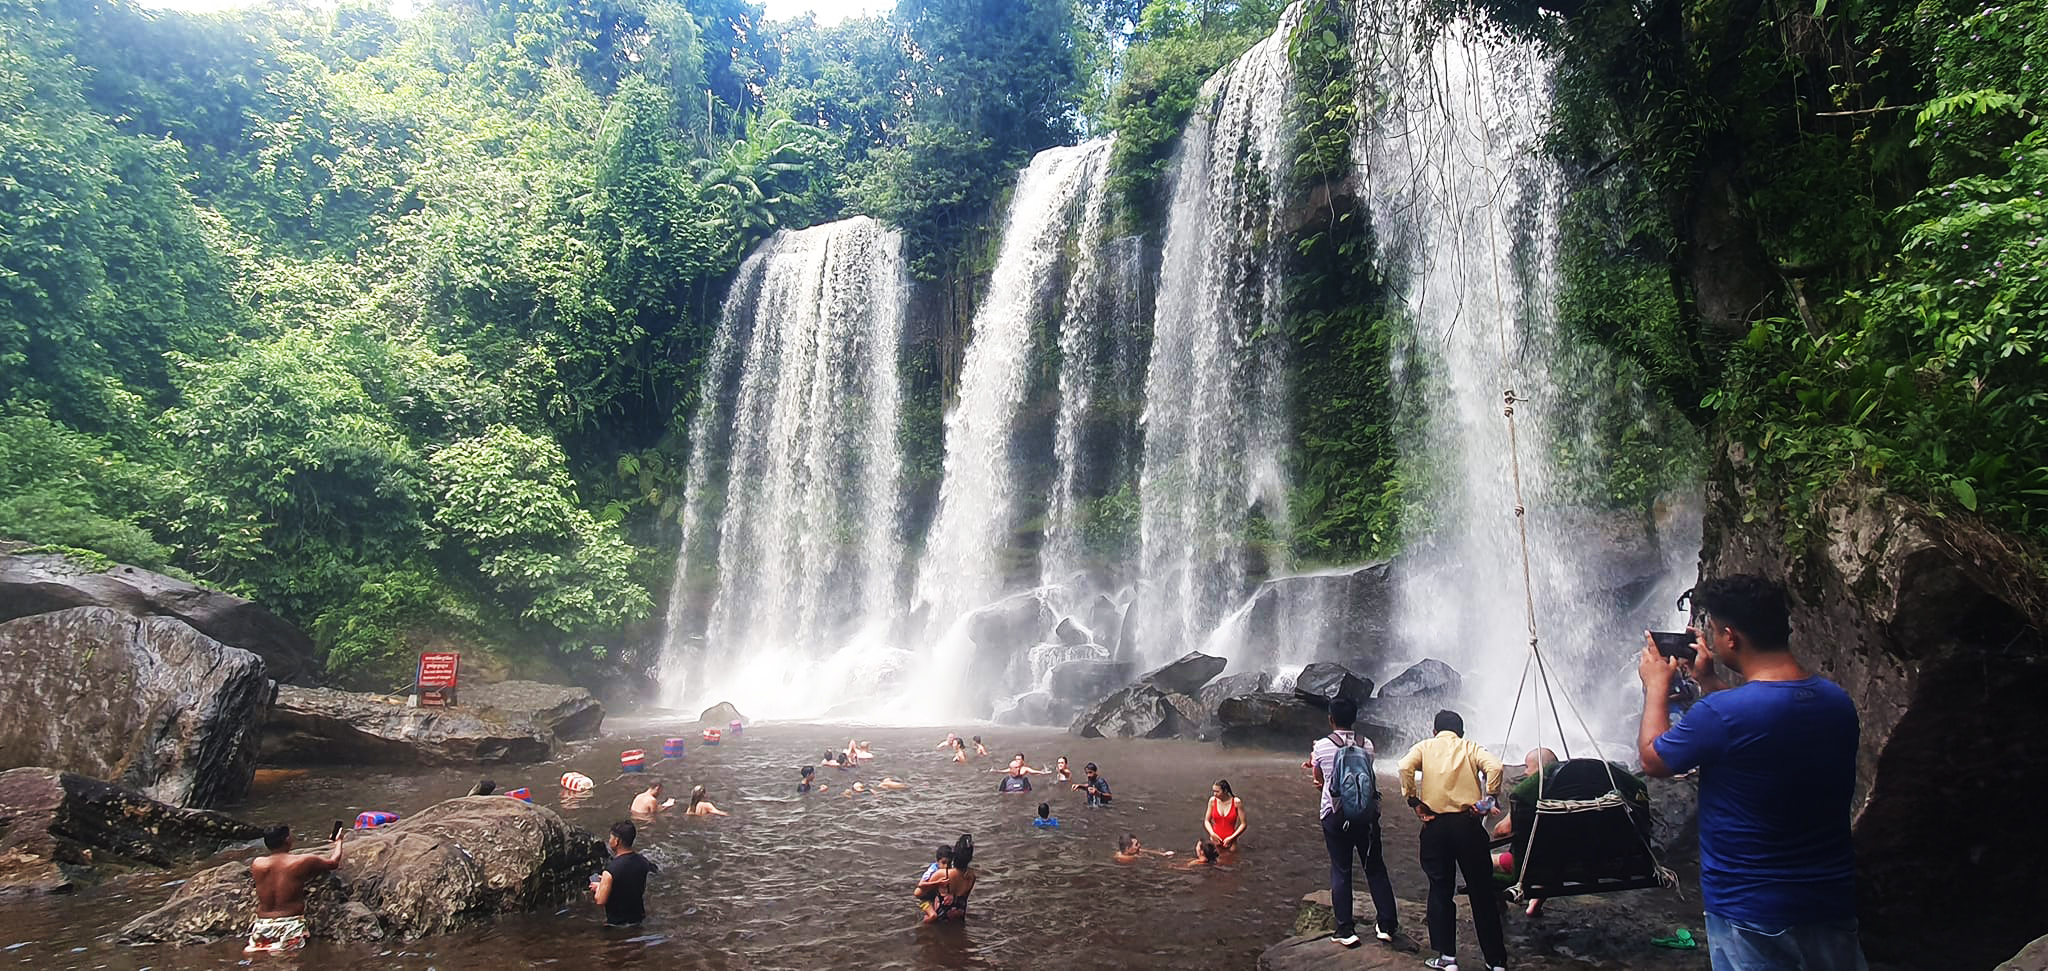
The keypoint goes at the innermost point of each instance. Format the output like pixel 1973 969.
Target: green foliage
pixel 992 83
pixel 505 499
pixel 1179 45
pixel 1342 319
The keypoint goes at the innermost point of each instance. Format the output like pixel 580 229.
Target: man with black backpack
pixel 1340 763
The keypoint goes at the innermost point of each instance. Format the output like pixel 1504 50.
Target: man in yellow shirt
pixel 1447 799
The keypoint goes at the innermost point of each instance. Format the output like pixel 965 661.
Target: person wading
pixel 622 889
pixel 1777 762
pixel 1454 839
pixel 281 879
pixel 1340 764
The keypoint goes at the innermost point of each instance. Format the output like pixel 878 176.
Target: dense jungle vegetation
pixel 394 322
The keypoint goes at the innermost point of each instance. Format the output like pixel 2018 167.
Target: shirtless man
pixel 281 880
pixel 648 803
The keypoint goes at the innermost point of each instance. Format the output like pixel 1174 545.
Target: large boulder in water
pixel 310 726
pixel 145 702
pixel 570 713
pixel 721 716
pixel 1141 710
pixel 1186 675
pixel 42 583
pixel 1937 627
pixel 1245 683
pixel 1328 615
pixel 1035 708
pixel 1083 681
pixel 58 829
pixel 456 864
pixel 1287 721
pixel 1318 683
pixel 1428 676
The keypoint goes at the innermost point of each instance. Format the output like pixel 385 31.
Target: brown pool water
pixel 816 881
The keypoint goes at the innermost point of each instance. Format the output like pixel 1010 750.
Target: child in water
pixel 1045 818
pixel 941 860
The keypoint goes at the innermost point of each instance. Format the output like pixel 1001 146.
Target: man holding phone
pixel 1777 762
pixel 281 879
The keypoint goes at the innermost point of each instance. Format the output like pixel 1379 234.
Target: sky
pixel 828 11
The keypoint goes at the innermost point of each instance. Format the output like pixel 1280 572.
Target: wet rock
pixel 1036 708
pixel 42 583
pixel 1428 676
pixel 1245 683
pixel 1186 675
pixel 1674 818
pixel 456 864
pixel 310 726
pixel 1072 634
pixel 1318 683
pixel 1011 625
pixel 721 715
pixel 1328 615
pixel 1106 620
pixel 1141 710
pixel 570 713
pixel 2033 957
pixel 1270 720
pixel 58 829
pixel 1085 682
pixel 144 702
pixel 1934 625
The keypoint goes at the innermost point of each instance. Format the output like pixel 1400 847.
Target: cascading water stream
pixel 1215 420
pixel 801 401
pixel 1464 201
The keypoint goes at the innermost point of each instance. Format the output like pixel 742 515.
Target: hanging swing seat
pixel 1589 832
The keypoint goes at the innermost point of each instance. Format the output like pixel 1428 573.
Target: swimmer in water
pixel 959 751
pixel 1206 854
pixel 648 803
pixel 980 749
pixel 1225 819
pixel 953 884
pixel 1129 850
pixel 858 788
pixel 1045 819
pixel 952 740
pixel 700 806
pixel 888 783
pixel 1060 772
pixel 1016 777
pixel 807 780
pixel 858 751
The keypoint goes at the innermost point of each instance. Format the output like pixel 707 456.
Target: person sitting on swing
pixel 1570 779
pixel 1521 808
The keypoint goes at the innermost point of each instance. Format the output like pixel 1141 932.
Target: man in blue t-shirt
pixel 1777 761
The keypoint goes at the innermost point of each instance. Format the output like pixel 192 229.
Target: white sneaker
pixel 1348 940
pixel 1443 962
pixel 1385 938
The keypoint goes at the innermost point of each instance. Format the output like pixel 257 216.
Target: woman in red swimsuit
pixel 1225 820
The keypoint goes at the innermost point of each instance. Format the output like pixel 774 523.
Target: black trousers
pixel 1455 843
pixel 1364 841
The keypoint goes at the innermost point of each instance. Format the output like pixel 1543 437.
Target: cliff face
pixel 1934 626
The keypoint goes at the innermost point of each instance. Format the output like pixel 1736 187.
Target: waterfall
pixel 1466 203
pixel 1098 372
pixel 970 552
pixel 795 460
pixel 1215 411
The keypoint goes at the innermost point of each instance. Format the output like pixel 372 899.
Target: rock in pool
pixel 58 829
pixel 144 702
pixel 456 864
pixel 320 726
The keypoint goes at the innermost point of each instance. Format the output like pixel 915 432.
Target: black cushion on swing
pixel 1581 846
